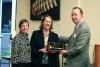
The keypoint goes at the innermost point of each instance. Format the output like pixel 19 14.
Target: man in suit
pixel 77 52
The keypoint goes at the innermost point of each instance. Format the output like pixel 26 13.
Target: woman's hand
pixel 44 50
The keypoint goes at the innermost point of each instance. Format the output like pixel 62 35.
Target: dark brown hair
pixel 43 18
pixel 81 11
pixel 23 21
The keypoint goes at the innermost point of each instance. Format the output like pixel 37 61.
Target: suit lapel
pixel 41 37
pixel 78 27
pixel 74 35
pixel 49 38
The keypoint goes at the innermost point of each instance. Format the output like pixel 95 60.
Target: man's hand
pixel 63 52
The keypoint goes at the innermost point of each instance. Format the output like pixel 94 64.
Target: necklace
pixel 46 33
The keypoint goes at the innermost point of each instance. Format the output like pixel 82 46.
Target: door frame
pixel 0 25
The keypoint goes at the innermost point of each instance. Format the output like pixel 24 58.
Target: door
pixel 7 25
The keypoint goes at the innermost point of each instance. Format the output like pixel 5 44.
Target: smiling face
pixel 24 27
pixel 76 16
pixel 47 23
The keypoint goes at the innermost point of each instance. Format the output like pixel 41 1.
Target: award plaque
pixel 55 47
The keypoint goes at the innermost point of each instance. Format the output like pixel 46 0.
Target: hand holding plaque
pixel 55 47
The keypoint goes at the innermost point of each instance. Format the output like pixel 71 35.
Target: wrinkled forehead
pixel 75 11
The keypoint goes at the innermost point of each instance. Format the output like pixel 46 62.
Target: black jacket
pixel 37 42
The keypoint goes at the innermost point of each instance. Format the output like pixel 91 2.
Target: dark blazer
pixel 37 42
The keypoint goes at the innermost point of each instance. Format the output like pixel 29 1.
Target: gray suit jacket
pixel 78 47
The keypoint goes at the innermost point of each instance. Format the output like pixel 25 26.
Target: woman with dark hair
pixel 21 49
pixel 39 41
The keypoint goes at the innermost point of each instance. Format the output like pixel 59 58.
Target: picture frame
pixel 40 8
pixel 55 47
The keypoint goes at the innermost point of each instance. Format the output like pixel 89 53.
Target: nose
pixel 73 16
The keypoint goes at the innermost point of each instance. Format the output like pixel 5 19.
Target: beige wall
pixel 91 9
pixel 62 27
pixel 91 13
pixel 65 25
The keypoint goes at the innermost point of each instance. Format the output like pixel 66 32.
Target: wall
pixel 92 18
pixel 92 11
pixel 23 11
